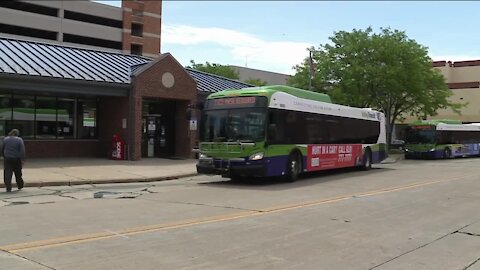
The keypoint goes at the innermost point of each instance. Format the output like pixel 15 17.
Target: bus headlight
pixel 202 156
pixel 433 149
pixel 256 156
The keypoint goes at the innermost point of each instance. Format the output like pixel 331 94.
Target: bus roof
pixel 459 127
pixel 271 89
pixel 435 122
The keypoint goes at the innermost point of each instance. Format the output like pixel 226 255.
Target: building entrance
pixel 158 128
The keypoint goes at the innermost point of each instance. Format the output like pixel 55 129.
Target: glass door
pixel 158 131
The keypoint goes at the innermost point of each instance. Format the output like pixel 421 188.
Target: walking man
pixel 13 150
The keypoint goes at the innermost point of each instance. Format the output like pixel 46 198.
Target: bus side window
pixel 275 119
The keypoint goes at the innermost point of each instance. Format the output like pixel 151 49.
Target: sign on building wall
pixel 193 124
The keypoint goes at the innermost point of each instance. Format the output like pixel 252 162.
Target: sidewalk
pixel 80 171
pixel 392 158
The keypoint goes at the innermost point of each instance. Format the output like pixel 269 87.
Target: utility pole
pixel 310 70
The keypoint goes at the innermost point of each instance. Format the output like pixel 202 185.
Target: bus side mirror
pixel 272 132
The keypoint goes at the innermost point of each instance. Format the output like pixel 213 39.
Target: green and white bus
pixel 275 131
pixel 441 139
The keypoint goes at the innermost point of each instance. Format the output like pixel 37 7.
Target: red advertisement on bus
pixel 329 156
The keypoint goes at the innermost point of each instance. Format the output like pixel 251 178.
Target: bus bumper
pixel 231 167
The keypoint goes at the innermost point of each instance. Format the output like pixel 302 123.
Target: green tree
pixel 256 82
pixel 217 69
pixel 386 71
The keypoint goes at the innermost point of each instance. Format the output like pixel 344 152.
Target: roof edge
pixel 218 76
pixel 157 60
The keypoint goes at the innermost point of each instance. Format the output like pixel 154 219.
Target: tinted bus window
pixel 301 127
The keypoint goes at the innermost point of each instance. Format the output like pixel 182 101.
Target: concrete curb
pixel 392 159
pixel 106 181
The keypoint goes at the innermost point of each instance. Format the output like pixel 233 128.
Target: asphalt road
pixel 407 215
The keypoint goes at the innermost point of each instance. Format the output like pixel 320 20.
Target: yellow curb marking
pixel 83 238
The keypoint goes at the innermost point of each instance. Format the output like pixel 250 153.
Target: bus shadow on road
pixel 306 179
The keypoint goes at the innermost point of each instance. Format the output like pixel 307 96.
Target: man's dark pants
pixel 12 165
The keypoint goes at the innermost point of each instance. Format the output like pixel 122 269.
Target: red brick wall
pixel 151 82
pixel 61 148
pixel 136 141
pixel 111 111
pixel 151 21
pixel 148 84
pixel 151 25
pixel 151 45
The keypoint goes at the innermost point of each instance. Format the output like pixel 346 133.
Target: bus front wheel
pixel 294 167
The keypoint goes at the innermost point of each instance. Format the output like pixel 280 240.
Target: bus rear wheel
pixel 294 167
pixel 367 160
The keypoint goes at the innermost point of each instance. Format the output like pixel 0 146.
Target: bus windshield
pixel 232 125
pixel 420 134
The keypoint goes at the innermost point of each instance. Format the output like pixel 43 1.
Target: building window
pixel 136 49
pixel 23 117
pixel 77 16
pixel 92 41
pixel 137 30
pixel 44 117
pixel 87 119
pixel 27 31
pixel 29 7
pixel 65 112
pixel 5 113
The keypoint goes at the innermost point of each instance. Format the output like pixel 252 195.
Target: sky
pixel 274 35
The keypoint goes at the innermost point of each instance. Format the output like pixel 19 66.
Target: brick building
pixel 74 73
pixel 69 102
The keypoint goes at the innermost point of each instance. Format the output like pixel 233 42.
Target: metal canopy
pixel 211 83
pixel 48 60
pixel 43 60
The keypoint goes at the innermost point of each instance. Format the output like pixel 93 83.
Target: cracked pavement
pixel 43 195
